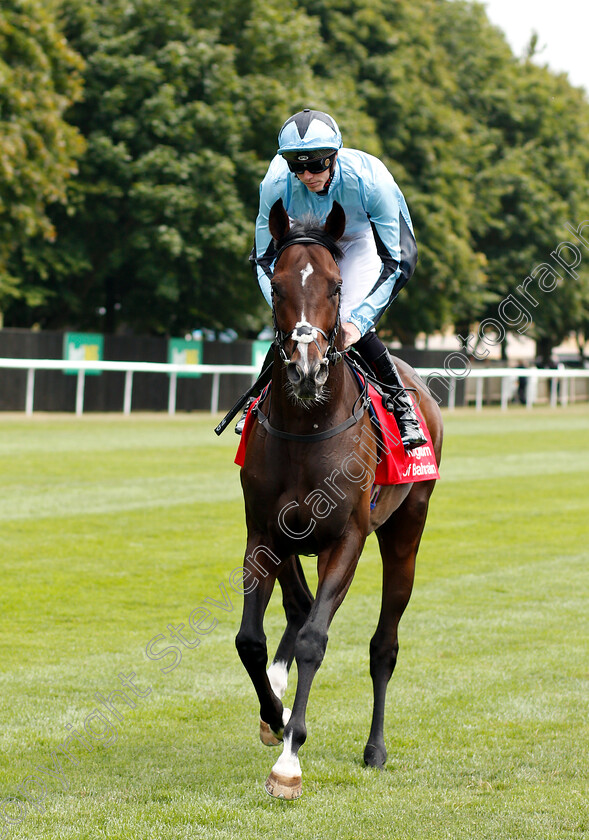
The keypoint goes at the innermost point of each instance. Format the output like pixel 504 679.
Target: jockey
pixel 309 173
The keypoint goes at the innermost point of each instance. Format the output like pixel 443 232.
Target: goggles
pixel 313 166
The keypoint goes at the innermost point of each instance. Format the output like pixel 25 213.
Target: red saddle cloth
pixel 395 465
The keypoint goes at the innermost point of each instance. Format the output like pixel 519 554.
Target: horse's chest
pixel 306 511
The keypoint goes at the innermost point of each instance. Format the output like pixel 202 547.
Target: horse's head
pixel 306 293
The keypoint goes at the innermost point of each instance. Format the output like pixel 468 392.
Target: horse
pixel 304 495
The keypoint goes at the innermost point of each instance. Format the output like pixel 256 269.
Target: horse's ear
pixel 278 221
pixel 335 224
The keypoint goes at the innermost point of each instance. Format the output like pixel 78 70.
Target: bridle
pixel 304 332
pixel 307 333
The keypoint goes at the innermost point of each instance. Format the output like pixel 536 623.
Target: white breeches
pixel 360 268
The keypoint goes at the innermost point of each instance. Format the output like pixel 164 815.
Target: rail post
pixel 172 393
pixel 81 381
pixel 30 395
pixel 215 393
pixel 128 392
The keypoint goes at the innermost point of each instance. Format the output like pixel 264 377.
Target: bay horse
pixel 305 494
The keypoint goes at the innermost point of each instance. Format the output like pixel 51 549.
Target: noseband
pixel 304 332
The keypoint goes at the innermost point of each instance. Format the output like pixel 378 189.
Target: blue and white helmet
pixel 309 131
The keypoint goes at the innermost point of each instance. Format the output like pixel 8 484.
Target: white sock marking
pixel 288 764
pixel 278 676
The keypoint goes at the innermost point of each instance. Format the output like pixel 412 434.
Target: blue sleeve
pixel 395 243
pixel 272 188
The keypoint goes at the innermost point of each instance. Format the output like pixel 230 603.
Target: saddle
pixel 394 464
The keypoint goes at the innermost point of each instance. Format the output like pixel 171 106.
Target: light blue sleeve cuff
pixel 363 324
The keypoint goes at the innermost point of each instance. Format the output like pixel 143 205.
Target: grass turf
pixel 113 528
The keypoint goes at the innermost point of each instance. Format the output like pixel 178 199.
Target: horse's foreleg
pixel 399 541
pixel 251 639
pixel 297 601
pixel 336 571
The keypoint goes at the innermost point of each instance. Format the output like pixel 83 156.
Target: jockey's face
pixel 315 181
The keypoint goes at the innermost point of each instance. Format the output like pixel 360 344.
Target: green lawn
pixel 113 528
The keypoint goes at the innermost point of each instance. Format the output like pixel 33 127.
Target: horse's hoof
pixel 375 756
pixel 283 787
pixel 267 737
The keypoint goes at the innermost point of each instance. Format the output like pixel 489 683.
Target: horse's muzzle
pixel 307 384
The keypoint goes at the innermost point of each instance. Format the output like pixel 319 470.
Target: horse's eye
pixel 337 290
pixel 275 291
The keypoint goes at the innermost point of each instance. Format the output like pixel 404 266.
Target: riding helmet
pixel 309 135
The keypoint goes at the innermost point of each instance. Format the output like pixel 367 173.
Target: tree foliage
pixel 182 104
pixel 40 76
pixel 157 222
pixel 531 174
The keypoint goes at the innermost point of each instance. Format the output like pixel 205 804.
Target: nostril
pixel 321 373
pixel 294 373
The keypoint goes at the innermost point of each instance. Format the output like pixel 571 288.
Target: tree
pixel 157 223
pixel 541 184
pixel 161 217
pixel 40 76
pixel 531 169
pixel 182 105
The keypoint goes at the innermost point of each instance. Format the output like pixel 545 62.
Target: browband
pixel 305 240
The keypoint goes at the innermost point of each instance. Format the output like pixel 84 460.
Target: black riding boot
pixel 257 389
pixel 399 402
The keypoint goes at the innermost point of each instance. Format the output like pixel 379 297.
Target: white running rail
pixel 561 380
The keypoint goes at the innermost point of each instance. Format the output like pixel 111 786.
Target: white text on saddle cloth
pixel 416 469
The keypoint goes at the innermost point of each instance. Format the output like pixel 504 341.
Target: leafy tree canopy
pixel 182 103
pixel 40 76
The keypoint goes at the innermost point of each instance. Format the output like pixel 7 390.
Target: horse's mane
pixel 310 227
